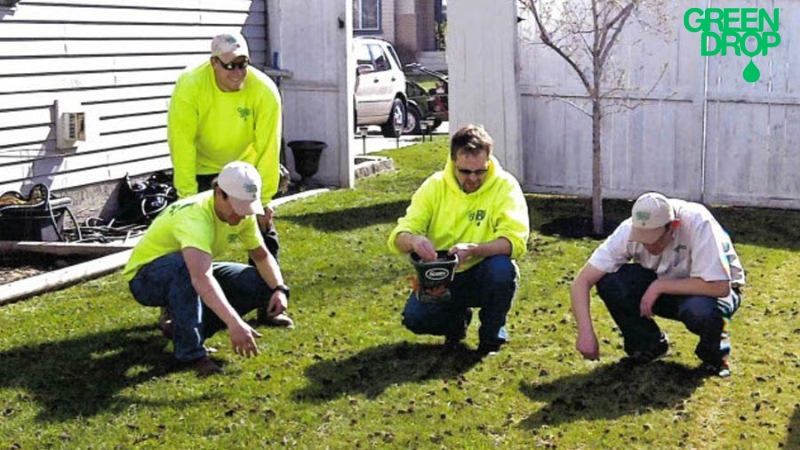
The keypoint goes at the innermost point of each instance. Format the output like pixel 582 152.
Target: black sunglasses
pixel 233 65
pixel 468 172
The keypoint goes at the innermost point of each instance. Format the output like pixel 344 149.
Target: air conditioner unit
pixel 70 124
pixel 73 126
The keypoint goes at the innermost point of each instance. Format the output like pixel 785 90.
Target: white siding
pixel 119 59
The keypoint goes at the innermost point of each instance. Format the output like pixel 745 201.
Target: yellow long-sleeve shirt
pixel 446 215
pixel 191 222
pixel 208 128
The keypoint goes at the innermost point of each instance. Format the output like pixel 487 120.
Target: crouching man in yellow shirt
pixel 172 266
pixel 475 210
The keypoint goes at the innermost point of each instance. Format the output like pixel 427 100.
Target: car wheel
pixel 394 125
pixel 413 118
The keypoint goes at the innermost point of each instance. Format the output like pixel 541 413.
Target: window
pixel 362 55
pixel 366 15
pixel 381 63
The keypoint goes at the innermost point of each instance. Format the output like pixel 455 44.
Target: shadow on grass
pixel 352 218
pixel 371 371
pixel 610 392
pixel 793 430
pixel 571 217
pixel 82 377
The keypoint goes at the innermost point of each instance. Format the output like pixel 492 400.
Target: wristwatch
pixel 283 288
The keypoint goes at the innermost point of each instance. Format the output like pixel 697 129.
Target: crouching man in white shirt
pixel 670 259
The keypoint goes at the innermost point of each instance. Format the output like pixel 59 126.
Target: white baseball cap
pixel 651 212
pixel 242 183
pixel 228 46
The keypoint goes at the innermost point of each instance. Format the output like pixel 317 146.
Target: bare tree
pixel 584 33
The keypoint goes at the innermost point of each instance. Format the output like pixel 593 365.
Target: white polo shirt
pixel 700 249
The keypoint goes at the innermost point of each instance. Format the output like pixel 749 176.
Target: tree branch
pixel 546 40
pixel 622 17
pixel 574 105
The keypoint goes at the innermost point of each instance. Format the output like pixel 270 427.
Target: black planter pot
pixel 306 157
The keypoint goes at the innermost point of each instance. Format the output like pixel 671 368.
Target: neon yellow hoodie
pixel 447 215
pixel 208 128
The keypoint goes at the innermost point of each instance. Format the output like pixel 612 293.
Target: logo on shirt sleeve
pixel 176 207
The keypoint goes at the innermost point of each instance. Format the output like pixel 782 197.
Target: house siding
pixel 415 28
pixel 118 61
pixel 388 9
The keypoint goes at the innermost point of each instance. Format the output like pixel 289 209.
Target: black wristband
pixel 283 288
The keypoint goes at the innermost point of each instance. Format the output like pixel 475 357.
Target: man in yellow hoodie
pixel 223 111
pixel 475 210
pixel 173 266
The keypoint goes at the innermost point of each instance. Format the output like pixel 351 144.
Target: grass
pixel 85 367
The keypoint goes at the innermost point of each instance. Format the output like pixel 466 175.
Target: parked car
pixel 425 104
pixel 380 92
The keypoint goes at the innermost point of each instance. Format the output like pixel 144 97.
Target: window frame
pixel 358 22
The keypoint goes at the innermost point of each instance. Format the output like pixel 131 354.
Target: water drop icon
pixel 751 72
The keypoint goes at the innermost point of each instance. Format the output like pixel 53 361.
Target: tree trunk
pixel 597 170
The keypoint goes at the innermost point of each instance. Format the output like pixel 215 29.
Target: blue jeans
pixel 490 285
pixel 706 317
pixel 166 282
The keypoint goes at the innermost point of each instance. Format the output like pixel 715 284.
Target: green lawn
pixel 85 368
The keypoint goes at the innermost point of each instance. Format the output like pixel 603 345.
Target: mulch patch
pixel 577 227
pixel 17 266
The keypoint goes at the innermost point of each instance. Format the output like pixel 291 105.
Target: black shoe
pixel 485 349
pixel 722 371
pixel 454 340
pixel 653 353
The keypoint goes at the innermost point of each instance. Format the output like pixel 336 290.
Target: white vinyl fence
pixel 704 133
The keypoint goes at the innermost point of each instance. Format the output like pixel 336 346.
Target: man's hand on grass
pixel 243 339
pixel 588 346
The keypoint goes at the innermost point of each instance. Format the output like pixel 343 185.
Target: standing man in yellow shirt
pixel 223 111
pixel 476 210
pixel 173 266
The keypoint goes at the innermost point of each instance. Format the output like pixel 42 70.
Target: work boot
pixel 279 321
pixel 205 367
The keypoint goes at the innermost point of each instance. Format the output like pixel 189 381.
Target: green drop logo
pixel 751 72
